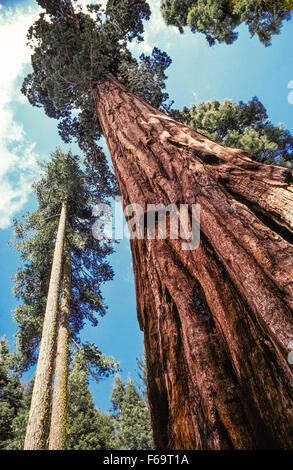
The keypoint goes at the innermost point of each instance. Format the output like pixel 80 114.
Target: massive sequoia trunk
pixel 58 425
pixel 217 320
pixel 39 410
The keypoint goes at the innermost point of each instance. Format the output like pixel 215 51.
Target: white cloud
pixel 17 156
pixel 83 3
pixel 155 29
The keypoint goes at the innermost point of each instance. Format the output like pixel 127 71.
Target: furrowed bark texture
pixel 58 425
pixel 39 410
pixel 217 320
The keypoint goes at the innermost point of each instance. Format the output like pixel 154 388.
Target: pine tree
pixel 218 19
pixel 10 394
pixel 19 423
pixel 39 411
pixel 131 416
pixel 88 427
pixel 64 186
pixel 217 320
pixel 244 126
pixel 142 374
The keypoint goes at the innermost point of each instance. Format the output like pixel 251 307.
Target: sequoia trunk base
pixel 217 320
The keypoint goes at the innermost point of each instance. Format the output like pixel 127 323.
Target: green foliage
pixel 133 431
pixel 20 421
pixel 244 126
pixel 146 78
pixel 142 374
pixel 63 178
pixel 117 395
pixel 128 16
pixel 74 51
pixel 88 427
pixel 217 19
pixel 10 395
pixel 89 356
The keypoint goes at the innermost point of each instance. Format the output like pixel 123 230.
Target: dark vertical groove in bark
pixel 58 425
pixel 39 410
pixel 275 226
pixel 217 321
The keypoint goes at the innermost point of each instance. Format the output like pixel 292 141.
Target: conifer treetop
pixel 63 178
pixel 73 50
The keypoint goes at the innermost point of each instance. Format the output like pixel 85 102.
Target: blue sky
pixel 198 73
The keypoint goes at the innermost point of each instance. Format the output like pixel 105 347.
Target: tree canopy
pixel 243 125
pixel 218 19
pixel 74 50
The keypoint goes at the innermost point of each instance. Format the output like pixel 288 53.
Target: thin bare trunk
pixel 217 320
pixel 58 425
pixel 39 411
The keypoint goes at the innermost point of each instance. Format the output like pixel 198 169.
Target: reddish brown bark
pixel 217 321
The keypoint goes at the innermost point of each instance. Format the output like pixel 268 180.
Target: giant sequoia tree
pixel 217 320
pixel 218 19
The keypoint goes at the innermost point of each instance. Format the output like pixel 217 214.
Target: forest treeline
pixel 125 426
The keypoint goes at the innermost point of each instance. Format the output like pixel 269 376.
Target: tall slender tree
pixel 63 184
pixel 39 411
pixel 57 436
pixel 217 320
